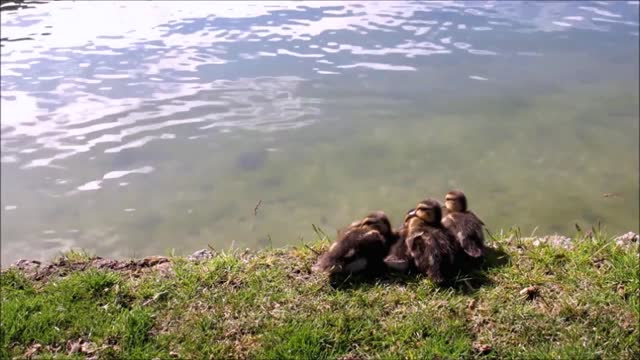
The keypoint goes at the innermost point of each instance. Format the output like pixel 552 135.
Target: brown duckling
pixel 362 245
pixel 433 248
pixel 464 224
pixel 399 258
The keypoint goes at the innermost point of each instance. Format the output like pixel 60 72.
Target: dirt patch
pixel 35 270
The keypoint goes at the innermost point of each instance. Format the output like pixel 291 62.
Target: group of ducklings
pixel 433 239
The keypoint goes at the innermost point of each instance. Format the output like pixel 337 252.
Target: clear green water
pixel 536 133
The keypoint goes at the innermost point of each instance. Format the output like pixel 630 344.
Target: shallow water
pixel 131 128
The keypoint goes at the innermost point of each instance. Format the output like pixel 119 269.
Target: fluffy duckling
pixel 433 248
pixel 464 224
pixel 399 258
pixel 362 245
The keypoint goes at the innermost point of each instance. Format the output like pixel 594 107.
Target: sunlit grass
pixel 268 305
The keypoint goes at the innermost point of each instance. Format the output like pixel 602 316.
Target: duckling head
pixel 455 201
pixel 379 221
pixel 429 211
pixel 411 213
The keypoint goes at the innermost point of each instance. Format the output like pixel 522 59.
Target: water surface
pixel 130 128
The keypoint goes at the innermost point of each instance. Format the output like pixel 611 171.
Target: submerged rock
pixel 251 160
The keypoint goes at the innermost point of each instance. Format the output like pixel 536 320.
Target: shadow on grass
pixel 471 276
pixel 369 279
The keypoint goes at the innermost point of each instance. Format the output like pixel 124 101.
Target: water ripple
pixel 84 96
pixel 107 84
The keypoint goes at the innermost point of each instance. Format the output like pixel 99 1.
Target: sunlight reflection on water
pixel 148 125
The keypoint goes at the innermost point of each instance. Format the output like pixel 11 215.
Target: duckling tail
pixel 472 248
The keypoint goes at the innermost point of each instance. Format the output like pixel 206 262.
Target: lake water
pixel 132 128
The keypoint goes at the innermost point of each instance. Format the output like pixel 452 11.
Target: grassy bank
pixel 580 303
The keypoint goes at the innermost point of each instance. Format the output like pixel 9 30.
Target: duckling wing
pixel 372 245
pixel 365 249
pixel 414 242
pixel 429 253
pixel 467 229
pixel 356 246
pixel 470 235
pixel 477 219
pixel 332 259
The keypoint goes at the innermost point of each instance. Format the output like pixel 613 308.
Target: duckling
pixel 433 248
pixel 361 245
pixel 399 258
pixel 464 224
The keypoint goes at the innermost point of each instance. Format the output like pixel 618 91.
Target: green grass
pixel 268 305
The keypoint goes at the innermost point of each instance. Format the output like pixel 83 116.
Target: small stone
pixel 27 262
pixel 481 348
pixel 150 261
pixel 559 241
pixel 530 291
pixel 203 254
pixel 27 265
pixel 104 263
pixel 627 240
pixel 54 349
pixel 73 347
pixel 33 349
pixel 349 357
pixel 88 348
pixel 472 304
pixel 123 265
pixel 164 269
pixel 598 262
